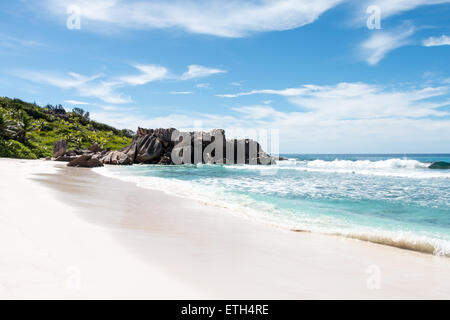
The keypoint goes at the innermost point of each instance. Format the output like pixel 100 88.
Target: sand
pixel 70 233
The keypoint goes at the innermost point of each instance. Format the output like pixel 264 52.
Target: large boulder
pixel 148 149
pixel 116 158
pixel 60 148
pixel 85 161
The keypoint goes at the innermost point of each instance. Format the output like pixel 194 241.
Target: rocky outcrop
pixel 169 146
pixel 85 161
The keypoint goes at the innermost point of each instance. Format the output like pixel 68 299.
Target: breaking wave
pixel 367 164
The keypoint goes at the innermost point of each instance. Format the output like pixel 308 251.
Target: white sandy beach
pixel 71 233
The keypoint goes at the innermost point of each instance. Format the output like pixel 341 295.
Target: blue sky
pixel 311 69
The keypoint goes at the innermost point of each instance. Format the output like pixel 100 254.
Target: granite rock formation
pixel 170 146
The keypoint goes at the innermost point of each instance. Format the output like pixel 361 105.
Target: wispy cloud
pixel 14 45
pixel 222 18
pixel 148 74
pixel 381 43
pixel 196 71
pixel 283 92
pixel 437 41
pixel 86 86
pixel 106 89
pixel 258 112
pixel 360 100
pixel 77 103
pixel 180 92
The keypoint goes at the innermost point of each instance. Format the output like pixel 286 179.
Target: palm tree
pixel 5 125
pixel 19 125
pixel 25 125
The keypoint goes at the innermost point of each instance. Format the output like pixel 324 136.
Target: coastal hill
pixel 28 131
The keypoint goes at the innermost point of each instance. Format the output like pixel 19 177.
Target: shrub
pixel 15 149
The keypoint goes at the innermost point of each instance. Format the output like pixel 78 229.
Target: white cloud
pixel 180 92
pixel 382 42
pixel 284 92
pixel 105 91
pixel 224 18
pixel 202 85
pixel 78 103
pixel 149 73
pixel 437 41
pixel 196 71
pixel 108 108
pixel 258 112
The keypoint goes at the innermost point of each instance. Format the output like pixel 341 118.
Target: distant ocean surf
pixel 394 200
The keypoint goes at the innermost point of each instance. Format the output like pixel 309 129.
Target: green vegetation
pixel 28 131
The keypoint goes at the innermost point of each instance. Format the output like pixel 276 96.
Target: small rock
pixel 65 158
pixel 85 162
pixel 116 158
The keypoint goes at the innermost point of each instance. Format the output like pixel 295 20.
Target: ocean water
pixel 388 199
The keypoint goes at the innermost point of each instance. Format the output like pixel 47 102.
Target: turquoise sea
pixel 389 199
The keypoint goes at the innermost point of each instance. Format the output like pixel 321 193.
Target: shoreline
pixel 205 252
pixel 400 240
